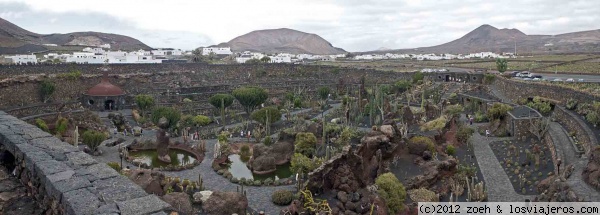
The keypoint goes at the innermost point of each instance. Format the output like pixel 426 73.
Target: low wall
pixel 572 122
pixel 516 90
pixel 554 152
pixel 65 180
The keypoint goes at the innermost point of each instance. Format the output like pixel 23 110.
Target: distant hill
pixel 282 40
pixel 16 40
pixel 490 38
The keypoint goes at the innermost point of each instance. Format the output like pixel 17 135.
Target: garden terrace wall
pixel 518 90
pixel 549 141
pixel 22 83
pixel 573 123
pixel 67 181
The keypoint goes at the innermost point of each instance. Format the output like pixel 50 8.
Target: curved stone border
pixel 572 122
pixel 68 181
pixel 199 158
pixel 249 182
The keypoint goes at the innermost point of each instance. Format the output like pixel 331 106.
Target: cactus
pixel 522 180
pixel 200 182
pixel 185 182
pixel 177 180
pixel 456 187
pixel 476 191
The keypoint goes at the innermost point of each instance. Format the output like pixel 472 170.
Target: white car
pixel 570 80
pixel 537 79
pixel 557 79
pixel 581 80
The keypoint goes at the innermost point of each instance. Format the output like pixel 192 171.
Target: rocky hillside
pixel 16 40
pixel 490 38
pixel 282 41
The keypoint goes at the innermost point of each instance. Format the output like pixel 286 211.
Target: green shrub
pixel 260 116
pixel 234 180
pixel 282 197
pixel 268 181
pixel 267 141
pixel 498 111
pixel 302 164
pixel 221 171
pixel 40 123
pixel 201 120
pixel 250 97
pixel 593 118
pixel 93 139
pixel 297 102
pixel 464 133
pixel 171 114
pixel 419 144
pixel 61 125
pixel 305 143
pixel 450 150
pixel 47 88
pixel 114 165
pixel 221 100
pixel 245 149
pixel 392 191
pixel 571 104
pixel 480 117
pixel 488 78
pixel 243 181
pixel 418 78
pixel 257 183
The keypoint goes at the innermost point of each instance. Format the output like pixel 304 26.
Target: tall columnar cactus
pixel 200 182
pixel 476 191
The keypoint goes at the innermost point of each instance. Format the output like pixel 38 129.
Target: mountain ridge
pixel 16 40
pixel 490 38
pixel 282 40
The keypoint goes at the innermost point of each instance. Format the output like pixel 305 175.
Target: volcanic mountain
pixel 282 40
pixel 16 40
pixel 489 38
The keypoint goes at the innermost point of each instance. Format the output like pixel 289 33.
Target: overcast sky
pixel 355 25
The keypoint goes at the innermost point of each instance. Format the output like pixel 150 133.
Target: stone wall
pixel 554 152
pixel 171 83
pixel 65 180
pixel 574 123
pixel 517 90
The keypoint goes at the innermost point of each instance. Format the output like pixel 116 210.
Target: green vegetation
pixel 302 164
pixel 144 102
pixel 464 133
pixel 171 114
pixel 305 143
pixel 454 110
pixel 323 92
pixel 282 197
pixel 61 126
pixel 435 125
pixel 72 75
pixel 417 145
pixel 47 88
pixel 540 105
pixel 221 100
pixel 93 139
pixel 498 111
pixel 199 120
pixel 114 165
pixel 392 191
pixel 272 114
pixel 488 78
pixel 418 76
pixel 267 141
pixel 571 104
pixel 402 86
pixel 250 97
pixel 346 135
pixel 450 150
pixel 40 123
pixel 501 65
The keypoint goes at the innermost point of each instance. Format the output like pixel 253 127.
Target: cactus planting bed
pixel 525 162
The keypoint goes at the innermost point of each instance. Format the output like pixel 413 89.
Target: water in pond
pixel 239 169
pixel 150 157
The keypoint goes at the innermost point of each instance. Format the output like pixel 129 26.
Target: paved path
pixel 497 183
pixel 565 149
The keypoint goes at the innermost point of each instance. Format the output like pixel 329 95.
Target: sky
pixel 354 25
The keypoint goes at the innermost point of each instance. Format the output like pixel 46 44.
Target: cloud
pixel 355 25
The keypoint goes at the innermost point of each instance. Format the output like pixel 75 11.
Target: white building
pixel 217 50
pixel 22 59
pixel 94 50
pixel 281 59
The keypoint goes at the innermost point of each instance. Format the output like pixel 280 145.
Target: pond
pixel 239 169
pixel 150 157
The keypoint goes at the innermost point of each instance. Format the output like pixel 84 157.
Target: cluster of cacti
pixel 522 180
pixel 512 149
pixel 476 191
pixel 456 187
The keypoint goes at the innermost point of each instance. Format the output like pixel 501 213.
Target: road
pixel 546 76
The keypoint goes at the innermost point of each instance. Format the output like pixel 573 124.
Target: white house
pixel 23 59
pixel 94 50
pixel 281 59
pixel 106 46
pixel 217 50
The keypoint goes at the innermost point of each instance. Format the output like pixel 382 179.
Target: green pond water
pixel 150 157
pixel 239 170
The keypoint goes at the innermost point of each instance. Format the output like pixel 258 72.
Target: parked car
pixel 537 79
pixel 557 79
pixel 570 80
pixel 581 80
pixel 537 76
pixel 523 74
